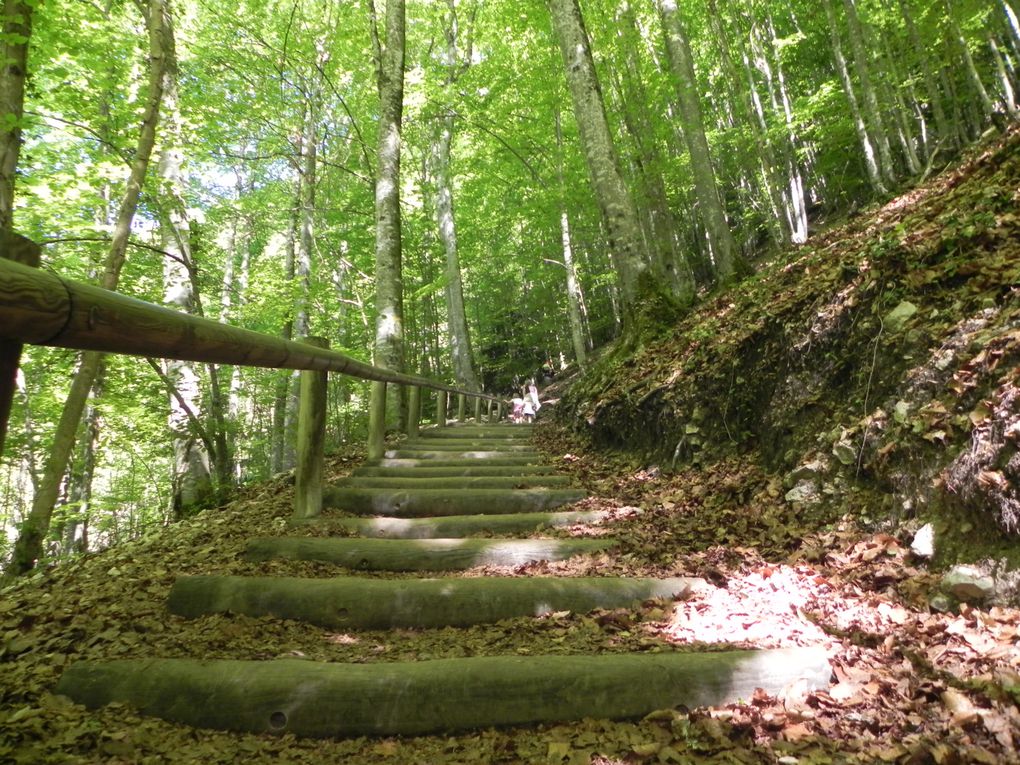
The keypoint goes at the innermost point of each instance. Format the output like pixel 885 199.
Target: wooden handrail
pixel 38 307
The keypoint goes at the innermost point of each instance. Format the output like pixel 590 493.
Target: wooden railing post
pixel 311 439
pixel 461 405
pixel 499 412
pixel 377 421
pixel 441 408
pixel 488 413
pixel 17 248
pixel 413 411
pixel 478 410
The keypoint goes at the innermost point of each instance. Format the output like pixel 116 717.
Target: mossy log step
pixel 353 602
pixel 408 462
pixel 441 445
pixel 456 525
pixel 475 431
pixel 473 468
pixel 421 554
pixel 529 457
pixel 458 482
pixel 319 700
pixel 423 502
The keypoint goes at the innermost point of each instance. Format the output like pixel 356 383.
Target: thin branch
pixel 192 419
pixel 105 240
pixel 123 155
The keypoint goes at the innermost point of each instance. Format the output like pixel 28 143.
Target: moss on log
pixel 466 445
pixel 421 554
pixel 474 468
pixel 456 525
pixel 478 432
pixel 315 699
pixel 528 457
pixel 457 482
pixel 422 502
pixel 408 462
pixel 377 604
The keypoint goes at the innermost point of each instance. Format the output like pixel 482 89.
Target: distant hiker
pixel 516 409
pixel 532 393
pixel 528 411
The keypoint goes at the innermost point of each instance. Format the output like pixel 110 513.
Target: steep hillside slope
pixel 875 369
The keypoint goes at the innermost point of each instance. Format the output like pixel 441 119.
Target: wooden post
pixel 488 414
pixel 17 248
pixel 499 411
pixel 478 410
pixel 461 405
pixel 441 408
pixel 311 439
pixel 413 411
pixel 377 421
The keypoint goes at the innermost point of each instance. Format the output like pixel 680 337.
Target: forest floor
pixel 911 684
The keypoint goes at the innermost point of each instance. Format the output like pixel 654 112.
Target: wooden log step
pixel 423 502
pixel 473 468
pixel 421 554
pixel 529 457
pixel 476 431
pixel 449 462
pixel 459 445
pixel 456 525
pixel 352 602
pixel 318 699
pixel 457 482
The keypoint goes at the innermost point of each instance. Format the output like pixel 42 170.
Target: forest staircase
pixel 442 502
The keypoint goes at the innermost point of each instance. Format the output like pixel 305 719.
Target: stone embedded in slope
pixel 375 604
pixel 410 483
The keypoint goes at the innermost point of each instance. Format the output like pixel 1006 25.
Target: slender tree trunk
pixel 193 480
pixel 931 87
pixel 728 263
pixel 630 261
pixel 29 546
pixel 1008 94
pixel 389 284
pixel 79 490
pixel 987 107
pixel 869 96
pixel 870 158
pixel 17 31
pixel 457 326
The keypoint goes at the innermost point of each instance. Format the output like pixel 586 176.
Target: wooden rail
pixel 38 307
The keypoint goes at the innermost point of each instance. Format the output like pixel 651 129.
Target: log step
pixel 423 502
pixel 457 525
pixel 528 456
pixel 408 462
pixel 457 482
pixel 473 468
pixel 375 604
pixel 316 699
pixel 421 554
pixel 478 431
pixel 451 445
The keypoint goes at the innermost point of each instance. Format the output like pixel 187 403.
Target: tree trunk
pixel 192 478
pixel 29 546
pixel 334 700
pixel 942 128
pixel 872 112
pixel 17 31
pixel 728 263
pixel 987 107
pixel 875 175
pixel 377 604
pixel 389 284
pixel 630 261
